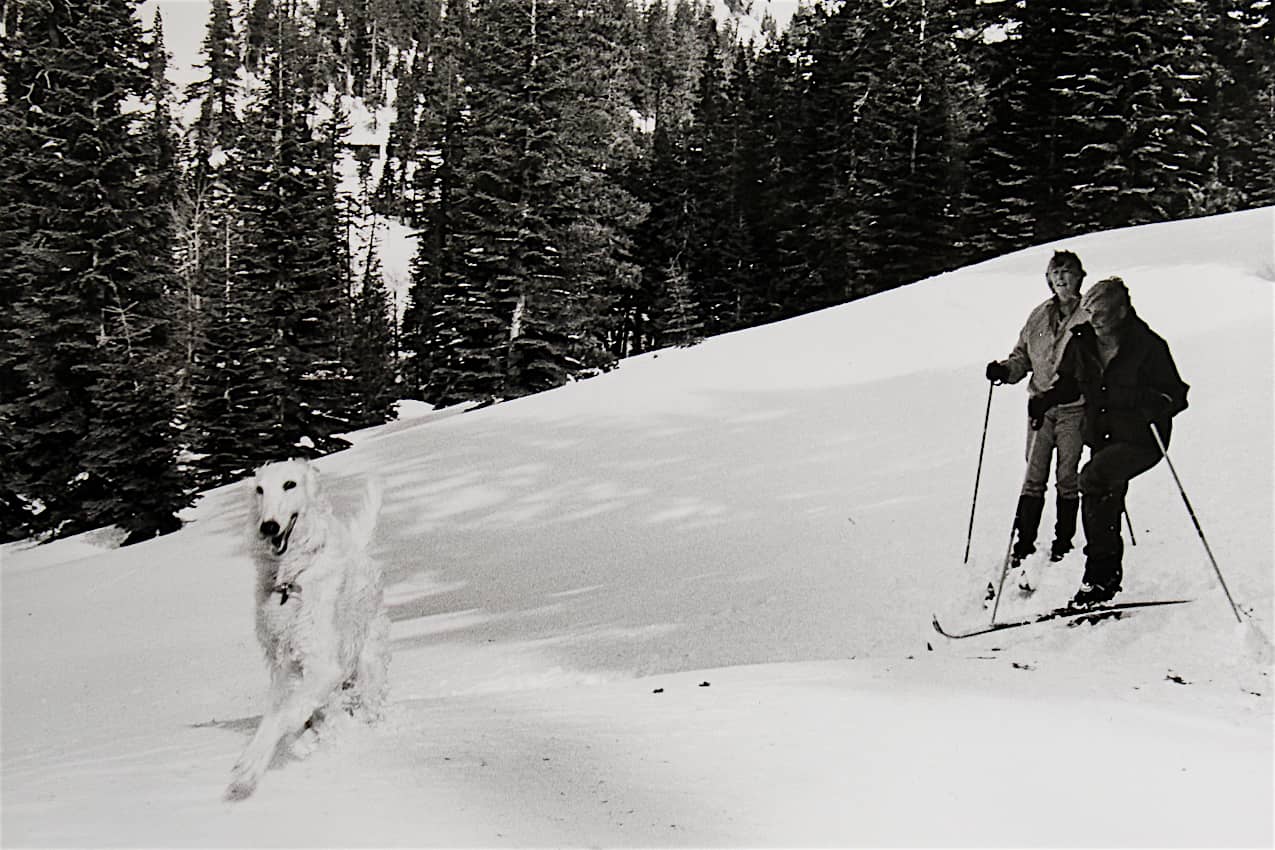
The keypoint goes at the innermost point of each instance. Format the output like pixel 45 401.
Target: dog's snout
pixel 269 528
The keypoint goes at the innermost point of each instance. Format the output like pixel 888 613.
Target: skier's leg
pixel 1103 484
pixel 1070 441
pixel 1031 501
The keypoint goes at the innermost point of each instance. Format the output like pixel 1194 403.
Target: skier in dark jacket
pixel 1129 382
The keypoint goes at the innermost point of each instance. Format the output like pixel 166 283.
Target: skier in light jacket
pixel 1129 382
pixel 1038 351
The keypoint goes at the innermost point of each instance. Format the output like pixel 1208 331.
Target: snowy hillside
pixel 688 604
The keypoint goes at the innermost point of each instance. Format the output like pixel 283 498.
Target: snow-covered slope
pixel 687 604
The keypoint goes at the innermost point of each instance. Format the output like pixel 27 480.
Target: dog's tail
pixel 364 522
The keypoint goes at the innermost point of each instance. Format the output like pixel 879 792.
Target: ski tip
pixel 934 621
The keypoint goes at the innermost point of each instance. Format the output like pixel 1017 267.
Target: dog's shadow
pixel 243 726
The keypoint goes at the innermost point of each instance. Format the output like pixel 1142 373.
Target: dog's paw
pixel 245 775
pixel 304 745
pixel 241 788
pixel 370 713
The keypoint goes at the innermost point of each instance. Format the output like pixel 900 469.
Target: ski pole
pixel 1200 531
pixel 996 604
pixel 979 474
pixel 1128 521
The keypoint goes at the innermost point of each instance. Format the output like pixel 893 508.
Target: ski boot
pixel 1090 595
pixel 1026 522
pixel 1100 584
pixel 1064 528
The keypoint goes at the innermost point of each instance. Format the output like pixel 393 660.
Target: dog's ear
pixel 251 490
pixel 311 479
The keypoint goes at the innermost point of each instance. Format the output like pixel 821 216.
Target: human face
pixel 1106 313
pixel 1064 283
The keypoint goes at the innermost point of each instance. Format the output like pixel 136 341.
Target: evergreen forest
pixel 190 281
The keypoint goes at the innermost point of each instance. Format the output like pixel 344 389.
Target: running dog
pixel 319 616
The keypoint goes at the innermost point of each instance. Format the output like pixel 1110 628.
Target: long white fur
pixel 320 620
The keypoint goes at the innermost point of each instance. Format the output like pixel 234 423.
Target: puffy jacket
pixel 1139 386
pixel 1040 346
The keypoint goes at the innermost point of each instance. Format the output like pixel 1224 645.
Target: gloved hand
pixel 1038 406
pixel 1064 391
pixel 997 371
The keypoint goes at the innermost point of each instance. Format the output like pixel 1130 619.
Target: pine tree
pixel 323 282
pixel 154 370
pixel 1258 177
pixel 710 259
pixel 372 353
pixel 776 120
pixel 664 181
pixel 676 312
pixel 859 139
pixel 1034 128
pixel 844 147
pixel 210 241
pixel 287 193
pixel 1143 154
pixel 592 213
pixel 1003 160
pixel 394 196
pixel 749 218
pixel 519 270
pixel 371 358
pixel 93 442
pixel 511 171
pixel 216 126
pixel 673 51
pixel 436 160
pixel 18 267
pixel 1239 105
pixel 932 106
pixel 274 379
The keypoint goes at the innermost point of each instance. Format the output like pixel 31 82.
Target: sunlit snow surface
pixel 688 604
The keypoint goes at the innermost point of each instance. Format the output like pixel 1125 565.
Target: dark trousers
pixel 1104 481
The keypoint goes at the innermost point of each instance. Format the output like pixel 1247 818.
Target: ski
pixel 1057 614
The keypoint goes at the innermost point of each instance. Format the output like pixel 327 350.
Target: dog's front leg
pixel 285 716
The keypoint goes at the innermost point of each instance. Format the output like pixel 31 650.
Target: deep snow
pixel 687 604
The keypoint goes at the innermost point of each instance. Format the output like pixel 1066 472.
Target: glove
pixel 1038 406
pixel 1064 391
pixel 997 371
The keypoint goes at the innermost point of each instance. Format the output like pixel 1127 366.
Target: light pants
pixel 1060 430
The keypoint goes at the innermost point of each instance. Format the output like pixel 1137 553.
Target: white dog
pixel 319 615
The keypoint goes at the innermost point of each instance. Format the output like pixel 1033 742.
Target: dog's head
pixel 282 491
